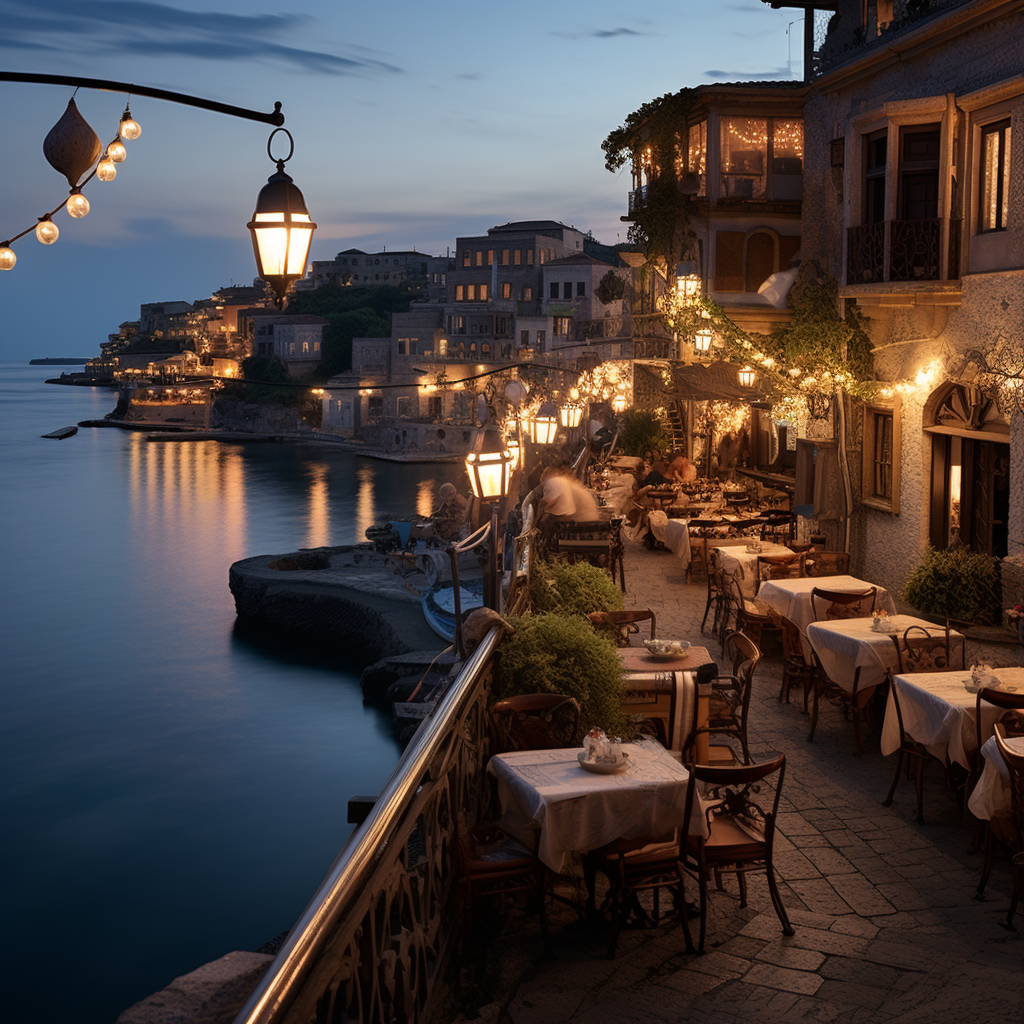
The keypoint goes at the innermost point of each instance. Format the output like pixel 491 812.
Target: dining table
pixel 856 651
pixel 741 563
pixel 991 799
pixel 792 597
pixel 938 710
pixel 552 804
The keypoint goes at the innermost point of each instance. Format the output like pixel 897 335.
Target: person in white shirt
pixel 564 498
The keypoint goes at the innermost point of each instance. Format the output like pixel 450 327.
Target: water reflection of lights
pixel 318 528
pixel 425 497
pixel 365 510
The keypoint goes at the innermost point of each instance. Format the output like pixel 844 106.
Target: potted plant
pixel 956 584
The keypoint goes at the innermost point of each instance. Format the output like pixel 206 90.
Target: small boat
pixel 62 433
pixel 439 605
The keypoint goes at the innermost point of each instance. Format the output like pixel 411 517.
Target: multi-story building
pixel 404 268
pixel 294 340
pixel 217 319
pixel 917 212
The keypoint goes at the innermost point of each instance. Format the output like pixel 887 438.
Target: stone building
pixel 294 340
pixel 915 190
pixel 403 268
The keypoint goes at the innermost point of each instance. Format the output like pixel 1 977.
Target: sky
pixel 413 123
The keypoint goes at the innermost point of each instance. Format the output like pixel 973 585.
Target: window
pixel 527 293
pixel 581 289
pixel 875 147
pixel 995 177
pixel 524 339
pixel 460 293
pixel 435 407
pixel 305 348
pixel 744 144
pixel 291 348
pixel 529 257
pixel 567 290
pixel 880 477
pixel 696 161
pixel 918 197
pixel 553 290
pixel 500 325
pixel 316 346
pixel 465 258
pixel 542 338
pixel 470 292
pixel 375 409
pixel 490 256
pixel 506 290
pixel 403 346
pixel 504 257
pixel 517 257
pixel 442 347
pixel 479 257
pixel 404 407
pixel 562 325
pixel 483 292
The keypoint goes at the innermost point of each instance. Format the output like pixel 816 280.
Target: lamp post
pixel 281 227
pixel 489 467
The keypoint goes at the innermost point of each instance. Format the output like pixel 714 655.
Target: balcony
pixel 900 251
pixel 638 199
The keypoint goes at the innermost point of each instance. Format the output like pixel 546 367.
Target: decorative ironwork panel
pixel 637 200
pixel 866 254
pixel 953 258
pixel 914 250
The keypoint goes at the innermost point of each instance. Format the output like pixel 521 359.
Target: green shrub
pixel 640 432
pixel 579 589
pixel 551 653
pixel 957 584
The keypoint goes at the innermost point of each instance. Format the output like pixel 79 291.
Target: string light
pixel 130 129
pixel 116 151
pixel 46 231
pixel 77 205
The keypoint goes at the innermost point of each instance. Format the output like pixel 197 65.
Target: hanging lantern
pixel 702 341
pixel 130 128
pixel 281 227
pixel 489 464
pixel 71 146
pixel 687 282
pixel 619 403
pixel 516 451
pixel 747 377
pixel 543 426
pixel 571 413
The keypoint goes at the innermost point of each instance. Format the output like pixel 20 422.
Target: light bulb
pixel 77 205
pixel 130 128
pixel 105 170
pixel 7 258
pixel 46 231
pixel 116 151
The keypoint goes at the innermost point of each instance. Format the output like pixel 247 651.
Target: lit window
pixel 479 257
pixel 471 292
pixel 504 257
pixel 995 176
pixel 490 256
pixel 744 145
pixel 305 347
pixel 527 293
pixel 506 290
pixel 517 257
pixel 483 293
pixel 460 293
pixel 529 257
pixel 465 258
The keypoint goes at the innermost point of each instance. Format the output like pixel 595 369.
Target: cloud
pixel 139 27
pixel 599 33
pixel 774 75
pixel 470 76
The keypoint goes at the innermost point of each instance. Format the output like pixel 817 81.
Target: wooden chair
pixel 1012 706
pixel 535 721
pixel 729 702
pixel 1015 764
pixel 742 830
pixel 795 666
pixel 746 615
pixel 717 594
pixel 778 567
pixel 494 865
pixel 920 650
pixel 623 624
pixel 827 563
pixel 599 542
pixel 778 527
pixel 840 604
pixel 916 753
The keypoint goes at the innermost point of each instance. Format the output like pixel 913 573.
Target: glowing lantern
pixel 747 377
pixel 489 465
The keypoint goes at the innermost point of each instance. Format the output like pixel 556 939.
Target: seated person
pixel 563 498
pixel 658 474
pixel 451 515
pixel 685 470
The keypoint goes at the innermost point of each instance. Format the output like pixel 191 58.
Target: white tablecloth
pixel 991 797
pixel 792 598
pixel 735 559
pixel 845 645
pixel 547 792
pixel 673 533
pixel 938 711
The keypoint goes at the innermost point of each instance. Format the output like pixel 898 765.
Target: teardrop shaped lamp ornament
pixel 71 146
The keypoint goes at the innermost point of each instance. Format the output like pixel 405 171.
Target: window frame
pixel 1003 127
pixel 876 414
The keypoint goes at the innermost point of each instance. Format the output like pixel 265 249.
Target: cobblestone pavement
pixel 886 926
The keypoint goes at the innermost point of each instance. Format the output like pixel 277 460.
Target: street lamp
pixel 543 425
pixel 688 282
pixel 281 227
pixel 489 464
pixel 571 412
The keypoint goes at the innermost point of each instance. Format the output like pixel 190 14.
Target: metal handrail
pixel 344 883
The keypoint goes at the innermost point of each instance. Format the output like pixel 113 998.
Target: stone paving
pixel 887 930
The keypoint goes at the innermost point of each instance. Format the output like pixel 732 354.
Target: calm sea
pixel 170 792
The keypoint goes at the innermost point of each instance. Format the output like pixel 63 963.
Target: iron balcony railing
pixel 901 250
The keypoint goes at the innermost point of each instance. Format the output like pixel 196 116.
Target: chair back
pixel 779 567
pixel 827 563
pixel 536 721
pixel 919 650
pixel 623 624
pixel 1005 701
pixel 731 791
pixel 792 641
pixel 1015 765
pixel 840 604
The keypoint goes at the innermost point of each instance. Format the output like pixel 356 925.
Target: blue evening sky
pixel 413 122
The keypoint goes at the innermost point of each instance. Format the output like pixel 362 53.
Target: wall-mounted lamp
pixel 746 377
pixel 687 281
pixel 702 341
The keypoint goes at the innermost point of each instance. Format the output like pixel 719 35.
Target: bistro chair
pixel 742 830
pixel 747 616
pixel 1012 706
pixel 827 563
pixel 778 527
pixel 729 703
pixel 1015 765
pixel 702 530
pixel 916 753
pixel 598 542
pixel 535 721
pixel 623 624
pixel 841 604
pixel 778 567
pixel 494 865
pixel 920 650
pixel 718 597
pixel 854 705
pixel 795 666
